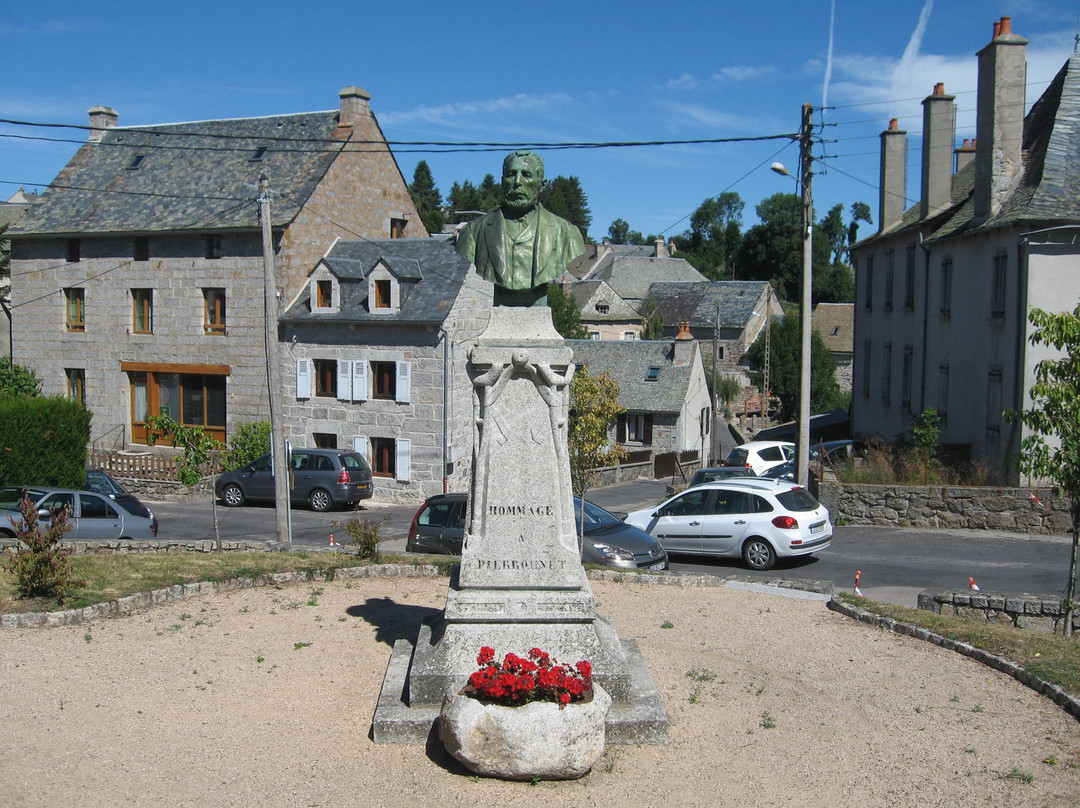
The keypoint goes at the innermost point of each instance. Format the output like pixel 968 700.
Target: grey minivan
pixel 324 478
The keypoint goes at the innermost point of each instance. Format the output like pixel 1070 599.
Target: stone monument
pixel 520 583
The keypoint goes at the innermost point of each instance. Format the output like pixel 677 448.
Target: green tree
pixel 594 406
pixel 18 380
pixel 564 313
pixel 712 242
pixel 427 198
pixel 564 197
pixel 1051 450
pixel 619 232
pixel 490 193
pixel 251 440
pixel 652 325
pixel 784 368
pixel 198 458
pixel 463 197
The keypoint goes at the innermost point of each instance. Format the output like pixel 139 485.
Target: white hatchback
pixel 760 520
pixel 761 455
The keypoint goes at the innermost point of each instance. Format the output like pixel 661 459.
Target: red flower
pixel 539 678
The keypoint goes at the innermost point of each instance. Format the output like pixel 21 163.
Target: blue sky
pixel 553 72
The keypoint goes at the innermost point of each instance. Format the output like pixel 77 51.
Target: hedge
pixel 43 441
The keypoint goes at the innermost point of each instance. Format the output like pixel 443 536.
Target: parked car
pixel 719 473
pixel 324 478
pixel 835 451
pixel 439 527
pixel 761 455
pixel 93 516
pixel 100 482
pixel 760 520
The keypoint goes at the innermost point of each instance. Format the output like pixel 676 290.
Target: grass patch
pixel 116 576
pixel 1051 657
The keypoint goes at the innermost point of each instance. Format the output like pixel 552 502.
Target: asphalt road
pixel 896 563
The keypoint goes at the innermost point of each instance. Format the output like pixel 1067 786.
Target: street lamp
pixel 802 451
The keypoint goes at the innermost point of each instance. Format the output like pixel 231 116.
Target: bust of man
pixel 522 246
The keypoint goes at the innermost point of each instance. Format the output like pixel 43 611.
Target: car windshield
pixel 352 462
pixel 595 517
pixel 797 499
pixel 737 457
pixel 10 497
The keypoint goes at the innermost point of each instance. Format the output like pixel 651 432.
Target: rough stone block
pixel 1044 624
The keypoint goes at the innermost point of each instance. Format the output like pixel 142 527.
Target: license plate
pixel 659 566
pixel 817 528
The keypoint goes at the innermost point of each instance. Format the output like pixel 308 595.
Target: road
pixel 896 563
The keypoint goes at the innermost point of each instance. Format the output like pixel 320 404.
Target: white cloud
pixel 743 73
pixel 461 113
pixel 683 82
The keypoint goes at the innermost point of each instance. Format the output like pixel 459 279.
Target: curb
pixel 1061 697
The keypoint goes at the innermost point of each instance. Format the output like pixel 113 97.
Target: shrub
pixel 41 567
pixel 43 441
pixel 250 441
pixel 363 534
pixel 18 380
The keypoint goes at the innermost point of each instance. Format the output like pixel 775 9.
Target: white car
pixel 761 455
pixel 760 520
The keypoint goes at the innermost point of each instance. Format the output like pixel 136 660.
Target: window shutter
pixel 620 429
pixel 403 449
pixel 362 446
pixel 303 378
pixel 647 439
pixel 359 380
pixel 344 380
pixel 403 395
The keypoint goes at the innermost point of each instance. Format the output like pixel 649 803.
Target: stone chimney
pixel 891 188
pixel 661 248
pixel 354 105
pixel 939 116
pixel 684 345
pixel 101 118
pixel 965 154
pixel 999 121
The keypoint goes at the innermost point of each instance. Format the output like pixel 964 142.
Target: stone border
pixel 1021 611
pixel 1057 694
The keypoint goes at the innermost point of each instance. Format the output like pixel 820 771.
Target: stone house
pixel 630 270
pixel 943 289
pixel 374 353
pixel 139 274
pixel 835 321
pixel 662 386
pixel 604 313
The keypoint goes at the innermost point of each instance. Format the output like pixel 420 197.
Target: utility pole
pixel 714 441
pixel 273 370
pixel 802 451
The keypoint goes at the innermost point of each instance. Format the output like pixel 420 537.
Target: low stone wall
pixel 1022 611
pixel 132 547
pixel 627 472
pixel 1015 510
pixel 164 490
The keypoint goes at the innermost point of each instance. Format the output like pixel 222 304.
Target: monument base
pixel 639 720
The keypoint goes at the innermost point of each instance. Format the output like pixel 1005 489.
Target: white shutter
pixel 403 450
pixel 344 380
pixel 303 378
pixel 402 393
pixel 362 446
pixel 359 380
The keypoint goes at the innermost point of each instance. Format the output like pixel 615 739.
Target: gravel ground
pixel 266 697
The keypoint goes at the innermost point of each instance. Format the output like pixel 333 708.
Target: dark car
pixel 91 516
pixel 101 482
pixel 835 452
pixel 719 473
pixel 439 527
pixel 324 478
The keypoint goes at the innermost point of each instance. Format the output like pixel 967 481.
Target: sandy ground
pixel 265 697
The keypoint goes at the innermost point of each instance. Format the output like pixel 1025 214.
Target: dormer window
pixel 383 290
pixel 382 294
pixel 602 308
pixel 324 294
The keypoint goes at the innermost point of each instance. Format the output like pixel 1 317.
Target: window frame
pixel 946 286
pixel 869 289
pixel 326 377
pixel 324 293
pixel 75 308
pixel 890 279
pixel 76 384
pixel 999 281
pixel 192 384
pixel 380 389
pixel 383 289
pixel 142 307
pixel 214 316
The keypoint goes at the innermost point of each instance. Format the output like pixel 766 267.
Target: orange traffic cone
pixel 974 586
pixel 858 574
pixel 333 543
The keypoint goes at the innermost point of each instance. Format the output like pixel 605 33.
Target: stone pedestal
pixel 520 584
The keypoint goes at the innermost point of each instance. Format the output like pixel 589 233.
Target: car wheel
pixel 319 500
pixel 232 495
pixel 759 554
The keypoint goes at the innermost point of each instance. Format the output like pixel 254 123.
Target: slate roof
pixel 836 323
pixel 193 176
pixel 632 276
pixel 1048 190
pixel 587 294
pixel 628 361
pixel 696 302
pixel 432 274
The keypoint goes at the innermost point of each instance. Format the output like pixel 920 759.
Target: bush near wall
pixel 43 441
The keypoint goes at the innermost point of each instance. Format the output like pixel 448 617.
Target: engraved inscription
pixel 521 510
pixel 520 564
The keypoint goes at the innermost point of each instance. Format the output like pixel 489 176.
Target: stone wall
pixel 1021 611
pixel 1016 510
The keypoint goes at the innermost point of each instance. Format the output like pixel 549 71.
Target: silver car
pixel 760 520
pixel 92 516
